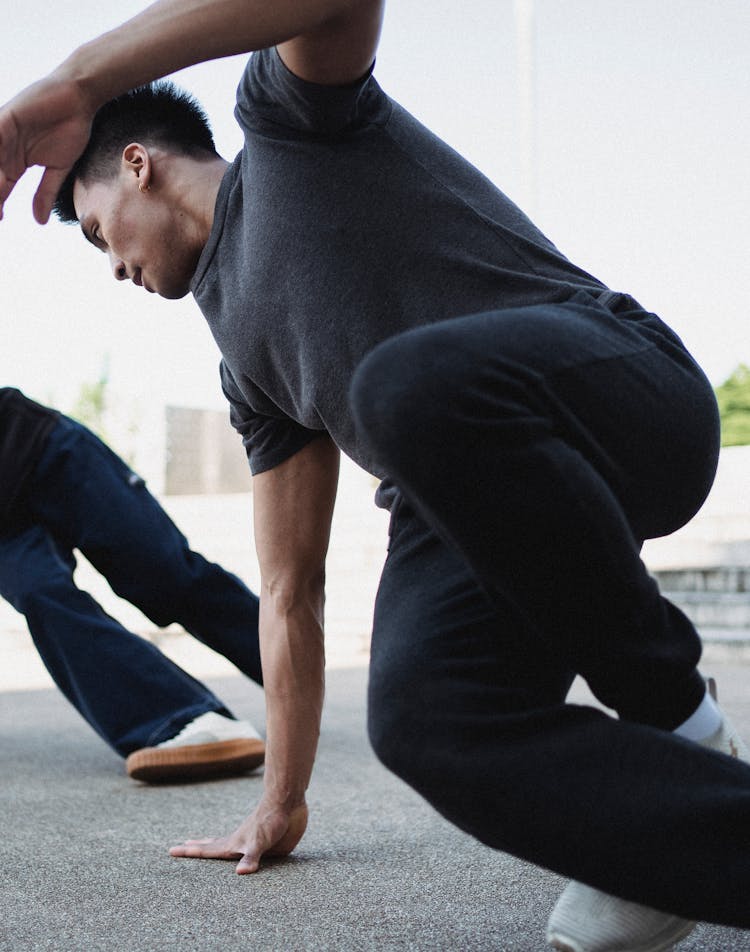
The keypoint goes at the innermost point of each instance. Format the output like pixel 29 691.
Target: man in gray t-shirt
pixel 424 238
pixel 372 292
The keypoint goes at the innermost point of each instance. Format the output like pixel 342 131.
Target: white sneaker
pixel 209 728
pixel 211 745
pixel 587 920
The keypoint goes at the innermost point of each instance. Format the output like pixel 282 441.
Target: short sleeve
pixel 272 100
pixel 268 440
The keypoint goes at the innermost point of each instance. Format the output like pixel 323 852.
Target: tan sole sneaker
pixel 196 761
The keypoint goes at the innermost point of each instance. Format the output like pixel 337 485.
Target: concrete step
pixel 717 579
pixel 713 610
pixel 715 599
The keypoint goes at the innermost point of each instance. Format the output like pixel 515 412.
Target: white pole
pixel 524 15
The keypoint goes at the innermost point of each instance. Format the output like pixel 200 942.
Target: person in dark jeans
pixel 64 489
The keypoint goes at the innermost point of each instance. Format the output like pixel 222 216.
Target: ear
pixel 136 162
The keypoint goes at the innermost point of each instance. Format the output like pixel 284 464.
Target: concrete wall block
pixel 713 611
pixel 731 579
pixel 204 454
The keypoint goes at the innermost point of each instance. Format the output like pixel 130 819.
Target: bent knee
pixel 384 386
pixel 401 717
pixel 389 735
pixel 397 396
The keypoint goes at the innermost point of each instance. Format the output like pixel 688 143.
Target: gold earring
pixel 142 189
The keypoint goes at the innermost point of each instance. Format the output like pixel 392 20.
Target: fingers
pixel 46 125
pixel 7 179
pixel 221 848
pixel 271 844
pixel 262 834
pixel 208 848
pixel 46 194
pixel 6 187
pixel 250 863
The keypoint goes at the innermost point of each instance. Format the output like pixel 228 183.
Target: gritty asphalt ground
pixel 85 863
pixel 83 850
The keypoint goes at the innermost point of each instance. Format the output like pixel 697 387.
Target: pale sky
pixel 642 156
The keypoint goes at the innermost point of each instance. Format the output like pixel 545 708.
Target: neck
pixel 192 186
pixel 208 176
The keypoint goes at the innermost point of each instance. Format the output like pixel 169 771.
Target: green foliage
pixel 734 406
pixel 112 420
pixel 90 407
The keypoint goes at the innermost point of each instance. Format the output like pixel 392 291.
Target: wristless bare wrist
pixel 285 796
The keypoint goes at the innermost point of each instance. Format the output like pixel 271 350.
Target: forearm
pixel 49 123
pixel 293 659
pixel 291 630
pixel 293 507
pixel 173 34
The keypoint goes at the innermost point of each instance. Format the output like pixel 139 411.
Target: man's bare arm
pixel 293 510
pixel 325 41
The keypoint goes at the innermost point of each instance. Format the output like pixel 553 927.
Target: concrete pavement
pixel 83 852
pixel 85 868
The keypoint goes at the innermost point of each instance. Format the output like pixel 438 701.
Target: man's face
pixel 143 237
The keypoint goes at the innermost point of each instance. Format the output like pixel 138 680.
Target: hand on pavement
pixel 268 831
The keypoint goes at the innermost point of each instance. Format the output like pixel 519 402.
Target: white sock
pixel 703 722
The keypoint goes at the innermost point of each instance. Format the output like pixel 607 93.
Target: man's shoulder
pixel 275 102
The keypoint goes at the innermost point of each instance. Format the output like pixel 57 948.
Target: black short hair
pixel 158 114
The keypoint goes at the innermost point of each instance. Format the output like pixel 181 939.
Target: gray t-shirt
pixel 342 222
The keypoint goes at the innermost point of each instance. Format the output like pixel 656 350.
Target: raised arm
pixel 293 510
pixel 325 41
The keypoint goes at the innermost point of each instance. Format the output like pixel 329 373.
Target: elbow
pixel 286 595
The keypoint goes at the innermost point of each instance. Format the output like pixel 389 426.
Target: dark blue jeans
pixel 82 496
pixel 534 450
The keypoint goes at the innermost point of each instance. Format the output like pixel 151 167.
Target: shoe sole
pixel 195 761
pixel 658 943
